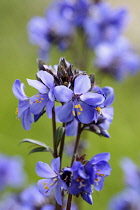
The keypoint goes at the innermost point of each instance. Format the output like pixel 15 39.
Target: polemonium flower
pixel 104 23
pixel 23 110
pixel 50 30
pixel 106 112
pixel 38 28
pixel 100 168
pixel 52 181
pixel 79 102
pixel 87 175
pixel 11 202
pixel 11 172
pixel 131 173
pixel 45 97
pixel 31 197
pixel 117 59
pixel 128 199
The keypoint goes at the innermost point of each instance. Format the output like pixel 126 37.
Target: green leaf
pixel 42 147
pixel 32 141
pixel 59 134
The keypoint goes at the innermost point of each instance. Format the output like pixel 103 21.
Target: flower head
pixel 23 110
pixel 52 181
pixel 79 102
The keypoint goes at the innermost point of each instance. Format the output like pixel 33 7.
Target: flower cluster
pixel 118 59
pixel 11 172
pixel 29 199
pixel 79 179
pixel 98 25
pixel 130 196
pixel 81 100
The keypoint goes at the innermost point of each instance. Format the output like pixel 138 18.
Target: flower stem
pixel 54 132
pixel 69 202
pixel 62 145
pixel 79 131
pixel 58 207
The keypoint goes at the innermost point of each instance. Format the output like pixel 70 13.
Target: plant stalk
pixel 54 133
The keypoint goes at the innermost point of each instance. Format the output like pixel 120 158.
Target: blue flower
pixel 79 102
pixel 52 181
pixel 85 176
pixel 104 23
pixel 11 172
pixel 31 197
pixel 117 59
pixel 45 98
pixel 53 29
pixel 100 169
pixel 131 174
pixel 105 118
pixel 128 199
pixel 23 110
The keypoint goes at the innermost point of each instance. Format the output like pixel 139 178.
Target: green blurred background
pixel 18 61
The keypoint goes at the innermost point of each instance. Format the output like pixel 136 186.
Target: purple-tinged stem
pixel 62 145
pixel 79 131
pixel 54 133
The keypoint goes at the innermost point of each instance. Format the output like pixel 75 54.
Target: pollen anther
pixel 46 187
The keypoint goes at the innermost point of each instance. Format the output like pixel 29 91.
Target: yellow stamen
pixel 76 106
pixel 46 187
pixel 16 111
pixel 99 109
pixel 37 95
pixel 96 179
pixel 51 184
pixel 37 101
pixel 101 175
pixel 42 99
pixel 55 179
pixel 44 183
pixel 77 180
pixel 78 113
pixel 73 112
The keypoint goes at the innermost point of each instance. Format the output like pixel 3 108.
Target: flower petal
pixel 55 164
pixel 65 112
pixel 92 99
pixel 82 84
pixel 26 119
pixel 44 170
pixel 49 107
pixel 18 90
pixel 46 78
pixel 38 102
pixel 99 157
pixel 62 93
pixel 46 186
pixel 87 197
pixel 87 115
pixel 38 85
pixel 58 194
pixel 109 93
pixel 22 106
pixel 71 128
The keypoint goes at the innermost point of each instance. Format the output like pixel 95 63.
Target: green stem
pixel 79 131
pixel 54 133
pixel 62 145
